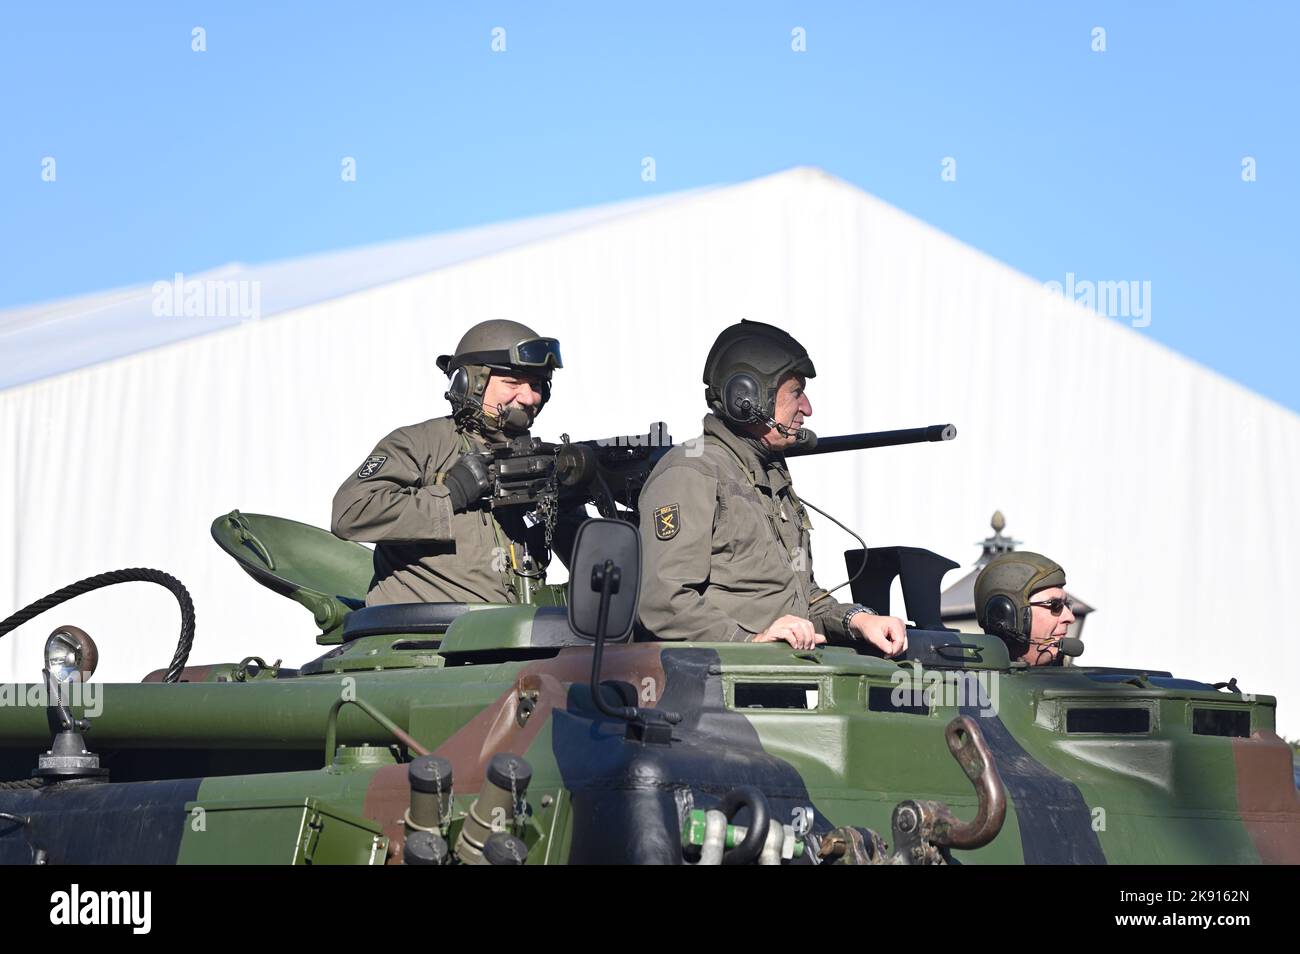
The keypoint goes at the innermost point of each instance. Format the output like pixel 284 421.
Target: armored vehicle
pixel 552 730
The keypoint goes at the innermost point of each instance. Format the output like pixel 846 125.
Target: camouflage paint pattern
pixel 228 771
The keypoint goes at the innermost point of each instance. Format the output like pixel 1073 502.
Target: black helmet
pixel 499 345
pixel 744 369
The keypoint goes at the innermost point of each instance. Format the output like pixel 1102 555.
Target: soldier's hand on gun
pixel 886 633
pixel 795 630
pixel 467 480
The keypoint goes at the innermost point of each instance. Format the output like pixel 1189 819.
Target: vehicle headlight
pixel 71 653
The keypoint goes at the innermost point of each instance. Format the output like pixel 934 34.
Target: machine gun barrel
pixel 610 472
pixel 848 442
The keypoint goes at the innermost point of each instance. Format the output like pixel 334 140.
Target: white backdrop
pixel 1166 490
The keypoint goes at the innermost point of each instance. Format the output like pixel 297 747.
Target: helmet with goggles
pixel 497 345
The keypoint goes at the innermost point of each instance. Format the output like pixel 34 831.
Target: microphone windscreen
pixel 807 439
pixel 1071 646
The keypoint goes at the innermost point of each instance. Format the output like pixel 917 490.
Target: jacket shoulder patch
pixel 371 466
pixel 667 521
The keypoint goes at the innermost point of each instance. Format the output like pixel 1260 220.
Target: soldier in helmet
pixel 419 495
pixel 725 537
pixel 1020 597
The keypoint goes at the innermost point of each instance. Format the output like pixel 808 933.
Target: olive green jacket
pixel 725 544
pixel 426 552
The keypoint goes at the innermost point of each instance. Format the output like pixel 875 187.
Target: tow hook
pixel 924 831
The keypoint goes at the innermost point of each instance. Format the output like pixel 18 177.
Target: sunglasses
pixel 1057 605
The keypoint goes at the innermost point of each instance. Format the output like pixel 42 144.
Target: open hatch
pixel 327 575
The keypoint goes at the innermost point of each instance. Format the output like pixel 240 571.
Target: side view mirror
pixel 604 551
pixel 604 583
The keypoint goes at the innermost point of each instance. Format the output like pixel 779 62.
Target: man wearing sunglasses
pixel 1020 597
pixel 420 494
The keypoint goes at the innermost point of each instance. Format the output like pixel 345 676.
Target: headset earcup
pixel 1000 618
pixel 458 385
pixel 739 391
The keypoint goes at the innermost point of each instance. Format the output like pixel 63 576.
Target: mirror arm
pixel 605 577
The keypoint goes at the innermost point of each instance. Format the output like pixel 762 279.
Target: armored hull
pixel 254 763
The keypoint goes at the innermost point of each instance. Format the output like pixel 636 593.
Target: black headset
pixel 458 385
pixel 742 399
pixel 1001 619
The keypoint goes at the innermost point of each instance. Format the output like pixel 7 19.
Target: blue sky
pixel 1116 165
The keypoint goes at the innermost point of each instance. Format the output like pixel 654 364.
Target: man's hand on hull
pixel 886 633
pixel 795 630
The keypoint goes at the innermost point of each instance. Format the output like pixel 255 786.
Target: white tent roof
pixel 1163 488
pixel 43 340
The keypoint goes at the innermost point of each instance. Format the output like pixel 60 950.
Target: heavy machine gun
pixel 606 472
pixel 610 472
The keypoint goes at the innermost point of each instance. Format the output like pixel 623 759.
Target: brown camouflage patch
pixel 495 728
pixel 1267 797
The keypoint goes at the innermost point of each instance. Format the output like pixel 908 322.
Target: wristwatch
pixel 853 611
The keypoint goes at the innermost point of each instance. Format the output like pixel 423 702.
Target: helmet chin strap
pixel 511 417
pixel 471 410
pixel 1041 647
pixel 507 417
pixel 1044 645
pixel 784 430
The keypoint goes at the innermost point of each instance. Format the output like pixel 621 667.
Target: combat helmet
pixel 496 345
pixel 1003 589
pixel 744 369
